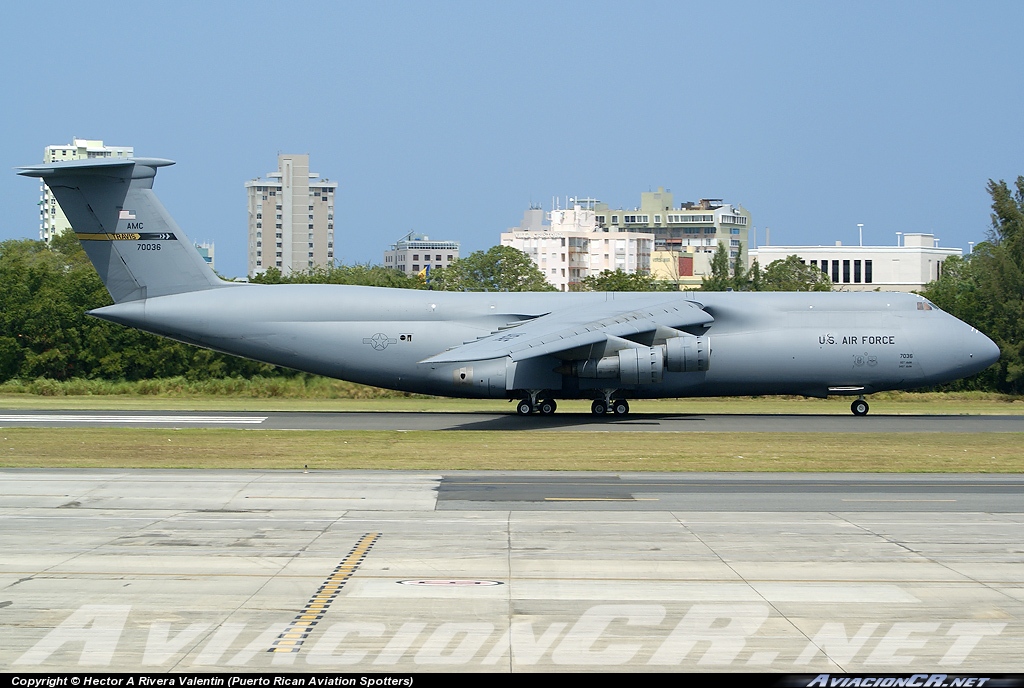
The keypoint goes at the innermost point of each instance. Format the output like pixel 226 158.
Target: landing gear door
pixel 533 373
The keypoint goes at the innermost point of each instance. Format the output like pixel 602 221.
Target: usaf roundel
pixel 379 341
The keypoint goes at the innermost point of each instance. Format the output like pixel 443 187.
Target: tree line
pixel 986 289
pixel 46 289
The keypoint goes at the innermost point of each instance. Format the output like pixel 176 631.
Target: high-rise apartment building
pixel 291 218
pixel 52 220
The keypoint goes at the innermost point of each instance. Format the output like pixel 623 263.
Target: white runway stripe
pixel 93 418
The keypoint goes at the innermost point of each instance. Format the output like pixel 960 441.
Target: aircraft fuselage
pixel 808 344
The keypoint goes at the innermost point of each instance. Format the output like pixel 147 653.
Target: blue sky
pixel 452 118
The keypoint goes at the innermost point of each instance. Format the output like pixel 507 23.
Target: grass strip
pixel 497 450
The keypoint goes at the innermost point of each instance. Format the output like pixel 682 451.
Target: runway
pixel 578 422
pixel 509 571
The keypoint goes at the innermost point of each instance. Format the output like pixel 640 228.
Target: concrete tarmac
pixel 635 422
pixel 120 570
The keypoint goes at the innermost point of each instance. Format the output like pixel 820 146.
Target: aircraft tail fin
pixel 135 245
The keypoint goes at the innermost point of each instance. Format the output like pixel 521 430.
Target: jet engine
pixel 646 365
pixel 687 354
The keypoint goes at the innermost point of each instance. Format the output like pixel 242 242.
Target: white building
pixel 415 253
pixel 291 218
pixel 907 267
pixel 575 246
pixel 52 220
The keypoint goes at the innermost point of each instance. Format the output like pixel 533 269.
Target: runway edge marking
pixel 291 639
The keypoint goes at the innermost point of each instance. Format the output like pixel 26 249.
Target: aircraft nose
pixel 985 351
pixel 979 351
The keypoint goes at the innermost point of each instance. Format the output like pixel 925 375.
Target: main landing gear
pixel 544 407
pixel 620 407
pixel 859 407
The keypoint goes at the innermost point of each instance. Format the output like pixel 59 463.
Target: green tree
pixel 499 268
pixel 755 277
pixel 958 291
pixel 729 273
pixel 45 291
pixel 720 278
pixel 1000 273
pixel 361 274
pixel 792 274
pixel 619 280
pixel 740 281
pixel 986 289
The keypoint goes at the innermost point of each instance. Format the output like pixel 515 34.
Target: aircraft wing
pixel 571 328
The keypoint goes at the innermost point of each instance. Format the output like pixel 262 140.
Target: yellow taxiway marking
pixel 291 639
pixel 601 499
pixel 302 498
pixel 898 500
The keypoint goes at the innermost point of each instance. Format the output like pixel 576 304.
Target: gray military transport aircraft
pixel 531 347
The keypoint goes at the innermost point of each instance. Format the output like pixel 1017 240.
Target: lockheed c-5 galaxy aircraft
pixel 531 347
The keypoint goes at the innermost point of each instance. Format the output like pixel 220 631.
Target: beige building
pixel 690 227
pixel 574 245
pixel 686 268
pixel 686 235
pixel 291 218
pixel 906 267
pixel 52 220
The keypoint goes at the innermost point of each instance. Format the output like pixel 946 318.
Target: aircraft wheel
pixel 547 407
pixel 598 408
pixel 620 407
pixel 859 407
pixel 524 407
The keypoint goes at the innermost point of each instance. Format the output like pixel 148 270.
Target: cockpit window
pixel 924 306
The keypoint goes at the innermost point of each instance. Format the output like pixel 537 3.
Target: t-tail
pixel 127 233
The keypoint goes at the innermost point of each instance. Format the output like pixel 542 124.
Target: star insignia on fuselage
pixel 379 341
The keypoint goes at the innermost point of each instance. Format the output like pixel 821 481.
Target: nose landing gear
pixel 859 407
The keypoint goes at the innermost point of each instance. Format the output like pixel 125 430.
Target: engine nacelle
pixel 642 366
pixel 687 354
pixel 646 365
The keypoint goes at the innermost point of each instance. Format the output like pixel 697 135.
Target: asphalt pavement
pixel 585 422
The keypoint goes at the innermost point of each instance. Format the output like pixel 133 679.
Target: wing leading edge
pixel 564 330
